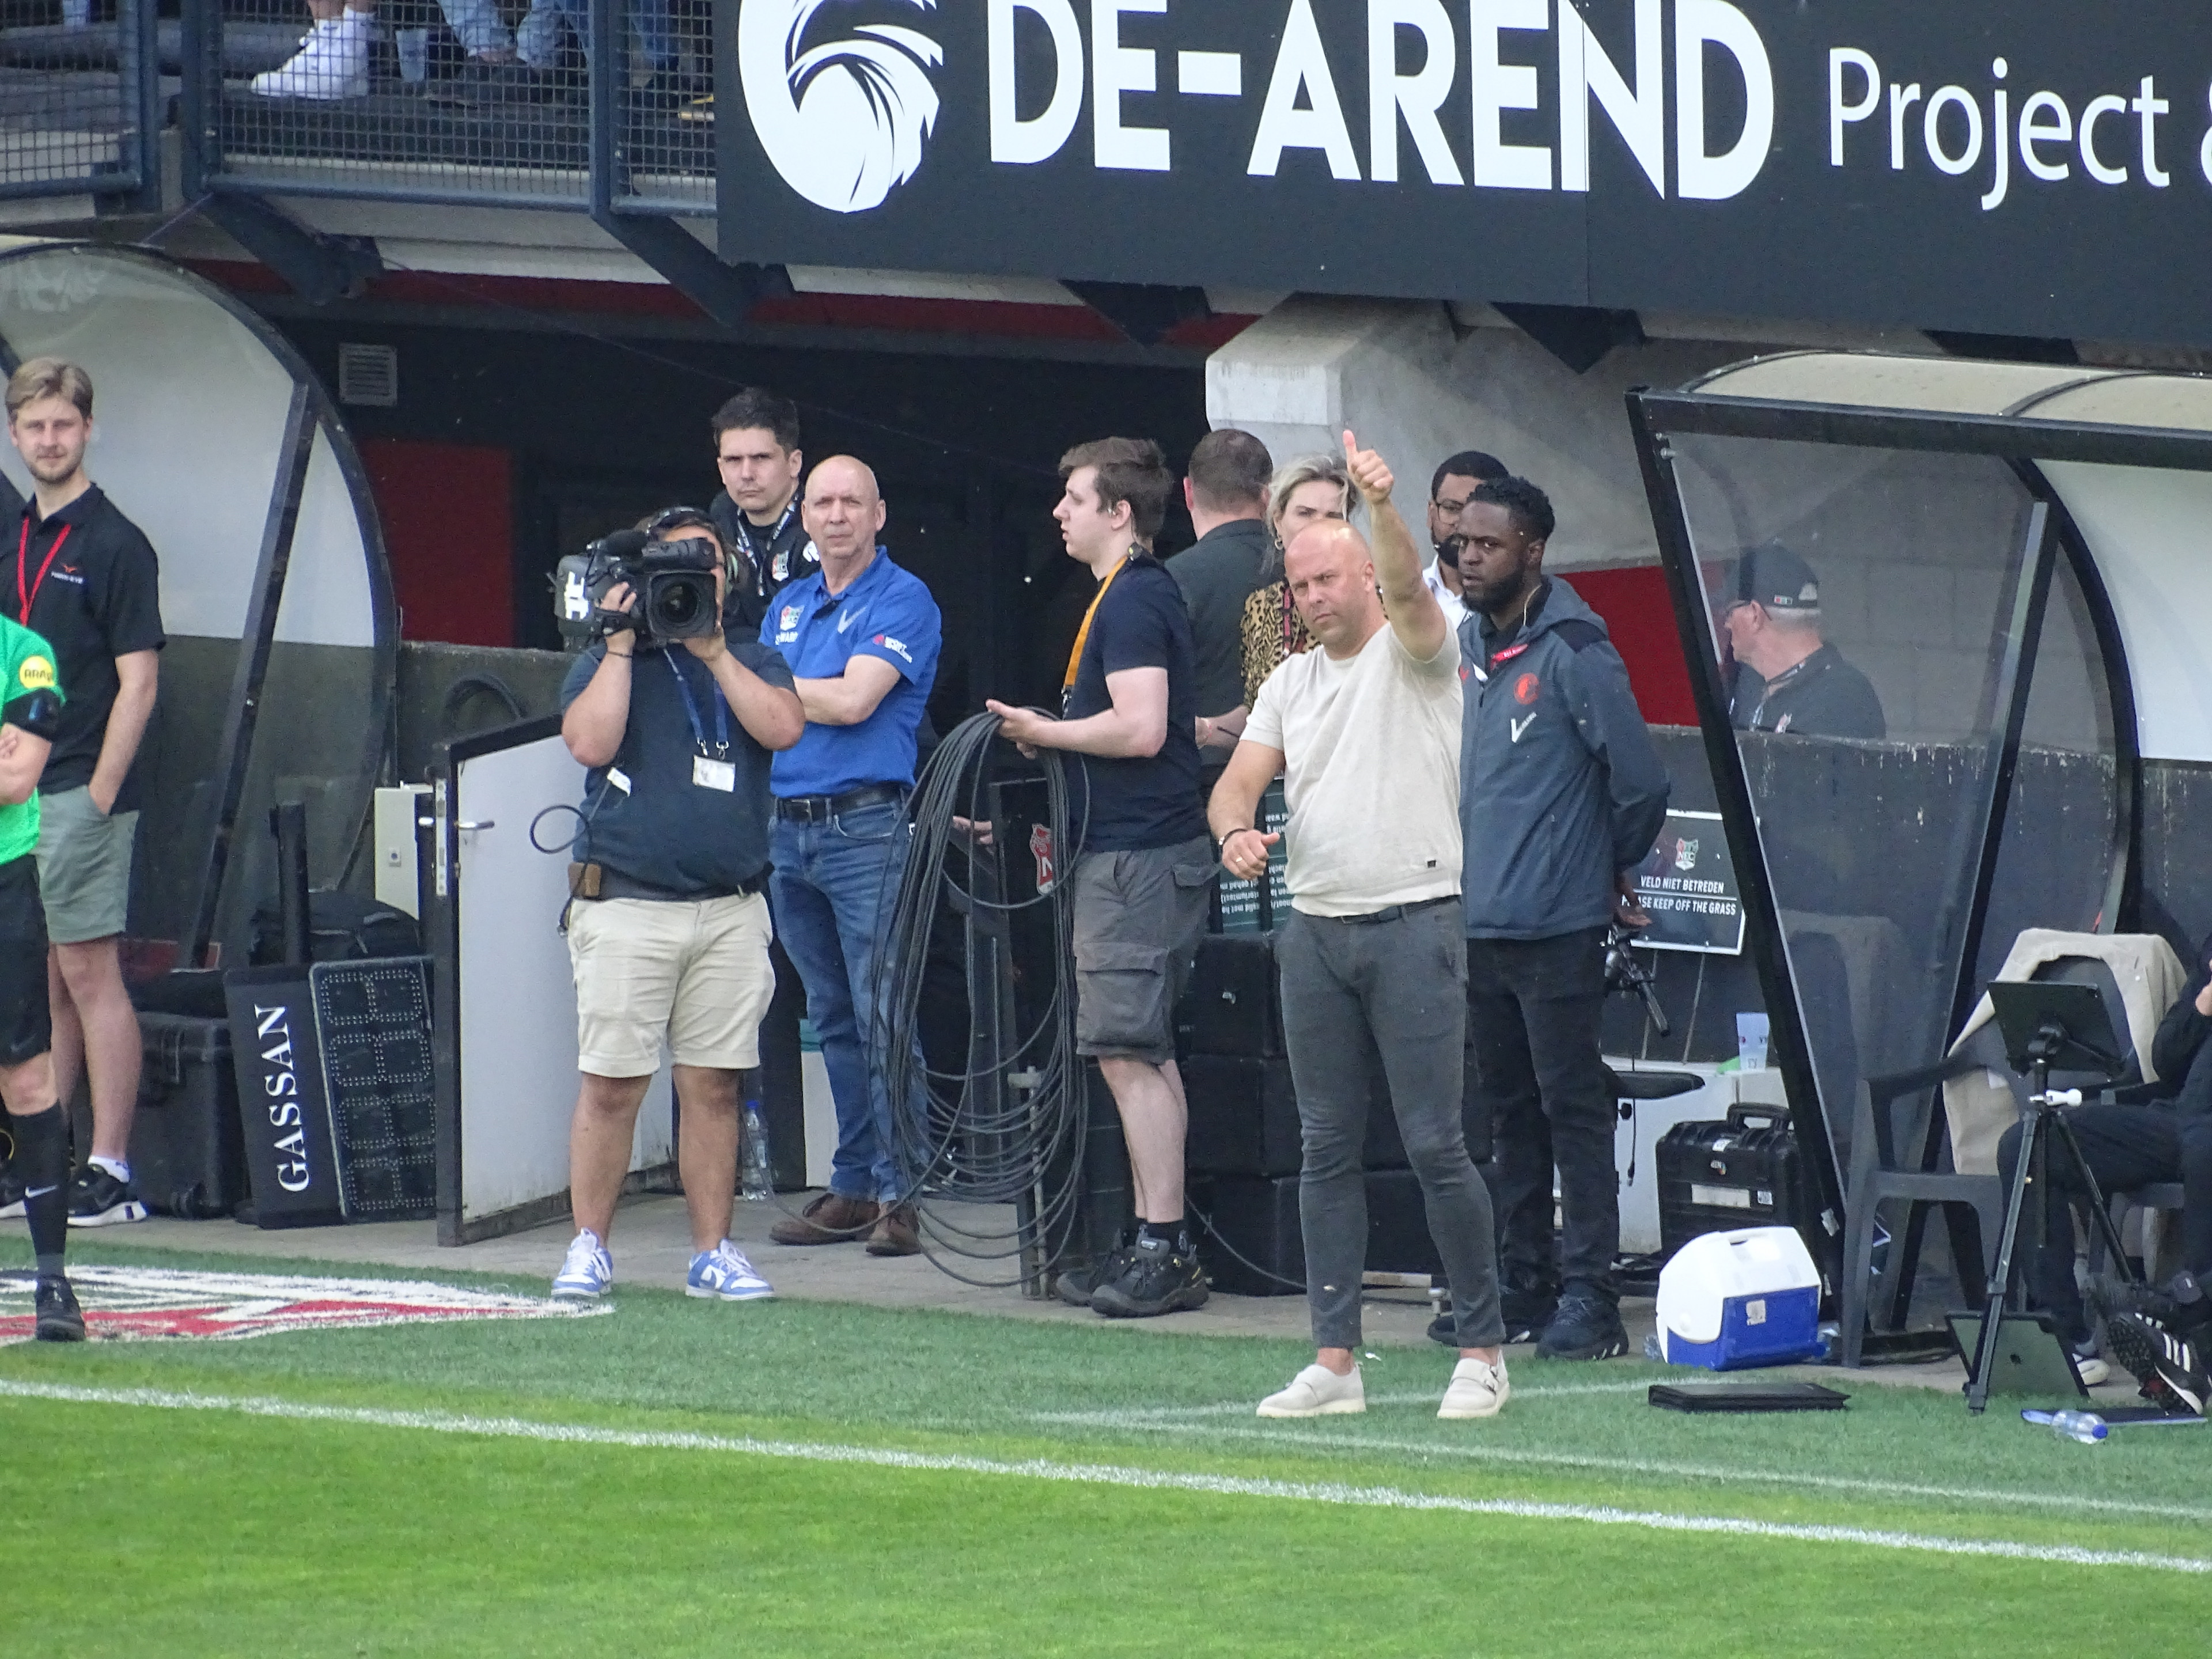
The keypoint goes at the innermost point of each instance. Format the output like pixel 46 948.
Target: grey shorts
pixel 1139 917
pixel 84 866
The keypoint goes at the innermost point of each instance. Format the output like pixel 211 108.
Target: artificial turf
pixel 203 1532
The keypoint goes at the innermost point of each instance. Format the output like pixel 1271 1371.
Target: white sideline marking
pixel 1098 1474
pixel 1168 1415
pixel 1145 1420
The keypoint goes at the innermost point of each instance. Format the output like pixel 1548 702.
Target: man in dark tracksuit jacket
pixel 1561 795
pixel 2127 1146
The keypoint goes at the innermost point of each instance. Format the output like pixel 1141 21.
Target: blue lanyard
pixel 691 708
pixel 761 557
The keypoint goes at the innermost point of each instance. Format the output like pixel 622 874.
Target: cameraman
pixel 668 923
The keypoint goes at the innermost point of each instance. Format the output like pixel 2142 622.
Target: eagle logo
pixel 844 120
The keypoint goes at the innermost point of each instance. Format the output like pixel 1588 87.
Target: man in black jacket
pixel 1561 797
pixel 757 515
pixel 2131 1146
pixel 1226 490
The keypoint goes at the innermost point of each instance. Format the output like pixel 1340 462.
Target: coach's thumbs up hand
pixel 1368 472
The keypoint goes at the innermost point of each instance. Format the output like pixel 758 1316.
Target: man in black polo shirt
pixel 77 572
pixel 1797 684
pixel 668 927
pixel 1146 861
pixel 1226 491
pixel 757 515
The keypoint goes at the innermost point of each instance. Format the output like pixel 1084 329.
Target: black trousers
pixel 1534 1008
pixel 2124 1146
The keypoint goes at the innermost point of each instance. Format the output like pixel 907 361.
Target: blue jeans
pixel 832 882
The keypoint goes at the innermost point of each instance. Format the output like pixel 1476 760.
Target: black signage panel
pixel 1688 886
pixel 2018 167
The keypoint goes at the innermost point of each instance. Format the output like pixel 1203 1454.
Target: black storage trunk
pixel 1231 1005
pixel 1722 1176
pixel 1258 1220
pixel 187 1148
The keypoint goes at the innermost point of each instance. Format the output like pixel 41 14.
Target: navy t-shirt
pixel 664 829
pixel 1139 803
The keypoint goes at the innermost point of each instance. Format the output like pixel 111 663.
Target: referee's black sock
pixel 42 1155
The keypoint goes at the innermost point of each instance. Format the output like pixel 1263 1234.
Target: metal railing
pixel 472 102
pixel 78 85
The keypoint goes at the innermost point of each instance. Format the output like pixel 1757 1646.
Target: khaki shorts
pixel 84 866
pixel 1139 917
pixel 696 974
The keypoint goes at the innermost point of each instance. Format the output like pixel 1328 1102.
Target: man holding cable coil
pixel 1144 862
pixel 668 921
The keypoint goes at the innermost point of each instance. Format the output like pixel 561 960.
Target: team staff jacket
pixel 1559 787
pixel 777 554
pixel 885 612
pixel 2181 1034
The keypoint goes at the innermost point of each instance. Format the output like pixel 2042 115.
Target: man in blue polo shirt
pixel 861 637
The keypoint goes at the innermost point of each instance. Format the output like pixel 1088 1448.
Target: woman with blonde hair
pixel 1303 492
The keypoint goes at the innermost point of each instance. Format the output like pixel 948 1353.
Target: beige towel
pixel 1980 1105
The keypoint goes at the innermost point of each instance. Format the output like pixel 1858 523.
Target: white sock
pixel 115 1166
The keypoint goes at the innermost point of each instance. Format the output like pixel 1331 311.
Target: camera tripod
pixel 2044 1024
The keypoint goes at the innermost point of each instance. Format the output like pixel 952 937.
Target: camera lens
pixel 676 606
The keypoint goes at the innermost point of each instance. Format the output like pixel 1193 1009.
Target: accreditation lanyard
pixel 764 572
pixel 29 597
pixel 1082 633
pixel 715 771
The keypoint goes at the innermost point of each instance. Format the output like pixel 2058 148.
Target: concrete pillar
pixel 1417 388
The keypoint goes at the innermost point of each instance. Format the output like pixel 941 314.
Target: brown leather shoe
pixel 895 1233
pixel 832 1219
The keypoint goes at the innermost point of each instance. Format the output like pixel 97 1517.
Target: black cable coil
pixel 1003 1130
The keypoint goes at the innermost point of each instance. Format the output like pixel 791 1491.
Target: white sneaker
pixel 1478 1389
pixel 723 1272
pixel 587 1269
pixel 333 63
pixel 1318 1391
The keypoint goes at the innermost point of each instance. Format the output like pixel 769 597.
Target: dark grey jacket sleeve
pixel 1611 728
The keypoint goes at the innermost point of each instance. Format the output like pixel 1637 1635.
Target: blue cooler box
pixel 1731 1300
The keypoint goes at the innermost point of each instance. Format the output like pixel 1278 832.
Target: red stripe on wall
pixel 1640 616
pixel 449 513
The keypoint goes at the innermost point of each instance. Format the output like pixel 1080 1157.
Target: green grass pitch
pixel 805 1478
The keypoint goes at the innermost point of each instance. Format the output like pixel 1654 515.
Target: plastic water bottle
pixel 754 1185
pixel 2085 1426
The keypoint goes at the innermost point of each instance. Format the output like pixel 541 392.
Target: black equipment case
pixel 187 1148
pixel 1746 1171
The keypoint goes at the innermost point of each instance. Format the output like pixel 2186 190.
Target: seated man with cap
pixel 1796 683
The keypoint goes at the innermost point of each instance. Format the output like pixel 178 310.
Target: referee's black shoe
pixel 1155 1279
pixel 60 1318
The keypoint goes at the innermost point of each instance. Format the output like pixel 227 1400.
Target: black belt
pixel 1395 913
pixel 613 885
pixel 820 809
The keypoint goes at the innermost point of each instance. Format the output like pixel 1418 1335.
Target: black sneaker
pixel 1586 1327
pixel 1075 1286
pixel 2168 1368
pixel 1527 1312
pixel 11 1194
pixel 2179 1304
pixel 97 1199
pixel 1155 1279
pixel 60 1320
pixel 1444 1327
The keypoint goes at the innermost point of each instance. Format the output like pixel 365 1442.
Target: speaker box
pixel 1256 1220
pixel 1231 1005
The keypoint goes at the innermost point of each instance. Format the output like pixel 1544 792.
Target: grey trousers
pixel 1399 988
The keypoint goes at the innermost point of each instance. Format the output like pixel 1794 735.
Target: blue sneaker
pixel 588 1270
pixel 724 1271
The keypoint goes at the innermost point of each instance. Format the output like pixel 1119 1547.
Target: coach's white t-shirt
pixel 1370 748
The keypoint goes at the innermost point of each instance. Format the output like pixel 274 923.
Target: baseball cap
pixel 1771 576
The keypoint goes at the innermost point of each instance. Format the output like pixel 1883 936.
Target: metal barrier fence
pixel 479 102
pixel 78 80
